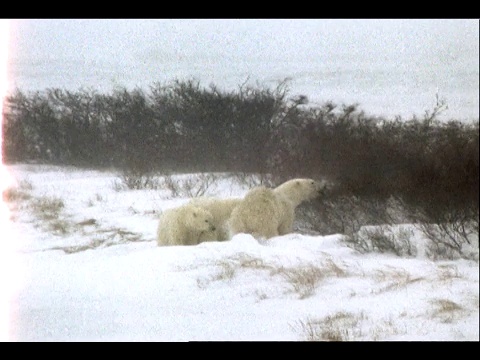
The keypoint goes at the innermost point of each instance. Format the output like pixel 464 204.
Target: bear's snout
pixel 322 190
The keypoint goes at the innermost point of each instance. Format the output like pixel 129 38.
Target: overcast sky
pixel 289 39
pixel 127 52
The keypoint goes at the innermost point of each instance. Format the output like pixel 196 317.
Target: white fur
pixel 185 225
pixel 266 213
pixel 221 209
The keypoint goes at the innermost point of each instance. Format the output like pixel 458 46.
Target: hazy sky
pixel 240 39
pixel 317 53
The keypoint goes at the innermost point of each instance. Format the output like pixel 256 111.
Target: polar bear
pixel 266 212
pixel 185 225
pixel 221 209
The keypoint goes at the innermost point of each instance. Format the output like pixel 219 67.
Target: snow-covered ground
pixel 80 263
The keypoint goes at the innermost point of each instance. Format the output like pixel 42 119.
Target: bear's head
pixel 306 189
pixel 200 219
pixel 319 186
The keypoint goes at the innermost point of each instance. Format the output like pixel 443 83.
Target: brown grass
pixel 341 326
pixel 304 279
pixel 18 193
pixel 395 278
pixel 228 267
pixel 47 208
pixel 447 272
pixel 447 311
pixel 111 236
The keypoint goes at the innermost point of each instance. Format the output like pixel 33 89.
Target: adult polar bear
pixel 185 225
pixel 266 213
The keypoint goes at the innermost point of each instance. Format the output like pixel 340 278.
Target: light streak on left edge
pixel 7 270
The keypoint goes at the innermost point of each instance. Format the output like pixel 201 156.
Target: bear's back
pixel 220 209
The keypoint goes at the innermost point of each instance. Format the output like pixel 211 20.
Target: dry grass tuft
pixel 59 227
pixel 303 279
pixel 331 268
pixel 395 278
pixel 345 326
pixel 246 261
pixel 447 272
pixel 228 267
pixel 19 193
pixel 14 195
pixel 104 238
pixel 226 271
pixel 49 211
pixel 447 311
pixel 342 326
pixel 47 208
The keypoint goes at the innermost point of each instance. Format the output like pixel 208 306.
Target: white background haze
pixel 390 67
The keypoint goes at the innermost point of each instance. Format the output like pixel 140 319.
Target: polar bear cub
pixel 221 209
pixel 185 225
pixel 266 212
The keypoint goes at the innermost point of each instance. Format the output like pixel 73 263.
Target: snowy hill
pixel 86 267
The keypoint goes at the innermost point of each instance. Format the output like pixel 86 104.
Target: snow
pixel 108 280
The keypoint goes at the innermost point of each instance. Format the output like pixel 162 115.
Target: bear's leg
pixel 267 231
pixel 223 234
pixel 208 236
pixel 164 237
pixel 285 222
pixel 285 228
